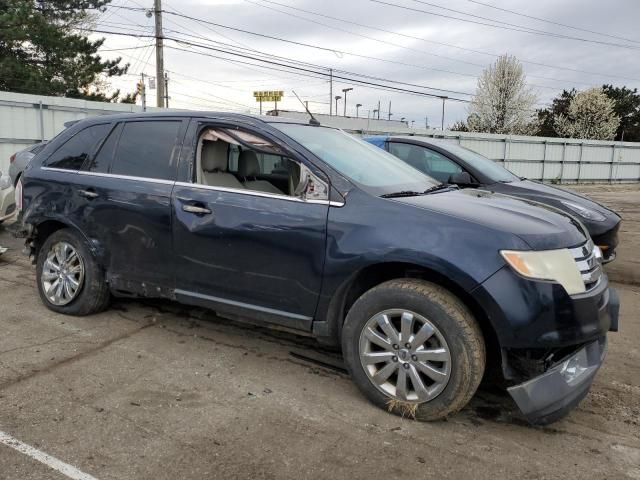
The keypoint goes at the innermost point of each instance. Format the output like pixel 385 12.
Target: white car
pixel 7 198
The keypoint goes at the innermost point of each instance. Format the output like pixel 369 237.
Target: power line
pixel 123 49
pixel 503 25
pixel 185 42
pixel 413 37
pixel 352 32
pixel 553 22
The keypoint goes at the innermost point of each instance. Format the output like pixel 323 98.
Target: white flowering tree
pixel 590 115
pixel 503 102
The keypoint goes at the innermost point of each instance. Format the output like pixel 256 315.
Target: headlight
pixel 548 265
pixel 5 182
pixel 584 212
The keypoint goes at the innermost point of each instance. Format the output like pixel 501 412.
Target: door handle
pixel 90 194
pixel 196 209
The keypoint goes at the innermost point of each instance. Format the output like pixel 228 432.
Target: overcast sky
pixel 417 56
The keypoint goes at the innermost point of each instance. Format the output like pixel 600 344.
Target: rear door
pixel 245 251
pixel 127 188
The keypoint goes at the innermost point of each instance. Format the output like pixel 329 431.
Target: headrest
pixel 416 157
pixel 248 165
pixel 214 156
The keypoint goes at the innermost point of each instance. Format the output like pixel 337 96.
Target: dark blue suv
pixel 421 285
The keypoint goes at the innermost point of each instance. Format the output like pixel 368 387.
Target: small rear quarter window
pixel 72 154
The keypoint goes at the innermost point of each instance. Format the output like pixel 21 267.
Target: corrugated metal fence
pixel 562 160
pixel 27 119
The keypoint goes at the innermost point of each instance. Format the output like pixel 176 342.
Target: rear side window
pixel 72 154
pixel 102 160
pixel 147 149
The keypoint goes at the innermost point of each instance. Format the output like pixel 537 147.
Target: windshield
pixel 368 166
pixel 494 171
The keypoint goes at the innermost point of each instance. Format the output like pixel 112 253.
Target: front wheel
pixel 414 348
pixel 69 279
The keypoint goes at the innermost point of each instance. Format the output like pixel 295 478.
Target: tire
pixel 424 307
pixel 92 292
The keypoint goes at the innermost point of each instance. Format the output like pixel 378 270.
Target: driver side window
pixel 239 160
pixel 428 161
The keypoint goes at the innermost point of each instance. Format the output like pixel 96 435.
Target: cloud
pixel 214 83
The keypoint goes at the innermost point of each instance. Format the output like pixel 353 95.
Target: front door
pixel 426 160
pixel 246 245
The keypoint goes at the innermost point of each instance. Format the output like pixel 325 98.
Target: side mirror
pixel 310 186
pixel 462 179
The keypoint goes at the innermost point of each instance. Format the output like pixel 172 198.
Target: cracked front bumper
pixel 550 396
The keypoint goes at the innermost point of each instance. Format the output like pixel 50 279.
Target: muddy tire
pixel 69 279
pixel 413 348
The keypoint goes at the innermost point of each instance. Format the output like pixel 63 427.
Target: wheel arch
pixel 375 274
pixel 48 226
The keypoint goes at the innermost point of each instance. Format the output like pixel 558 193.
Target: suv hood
pixel 540 226
pixel 553 195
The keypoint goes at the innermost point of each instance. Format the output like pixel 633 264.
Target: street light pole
pixel 358 105
pixel 345 90
pixel 337 97
pixel 331 91
pixel 444 99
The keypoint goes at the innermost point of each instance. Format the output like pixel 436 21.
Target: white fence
pixel 27 119
pixel 562 160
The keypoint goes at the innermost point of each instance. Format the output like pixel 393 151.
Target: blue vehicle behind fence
pixel 422 286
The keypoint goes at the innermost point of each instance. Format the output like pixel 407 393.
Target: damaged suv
pixel 422 285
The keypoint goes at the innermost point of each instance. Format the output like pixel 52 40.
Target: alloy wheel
pixel 405 356
pixel 62 274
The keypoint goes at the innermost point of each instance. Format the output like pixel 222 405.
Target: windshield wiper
pixel 442 186
pixel 402 193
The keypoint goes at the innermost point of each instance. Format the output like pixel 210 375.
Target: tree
pixel 590 115
pixel 43 49
pixel 459 126
pixel 627 108
pixel 546 117
pixel 503 103
pixel 129 98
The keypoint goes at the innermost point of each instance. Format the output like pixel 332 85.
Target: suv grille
pixel 589 261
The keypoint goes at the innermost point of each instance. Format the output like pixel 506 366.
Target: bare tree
pixel 503 102
pixel 590 115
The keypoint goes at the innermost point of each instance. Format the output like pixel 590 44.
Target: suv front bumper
pixel 550 396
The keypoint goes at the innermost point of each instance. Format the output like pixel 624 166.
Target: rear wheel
pixel 414 348
pixel 69 279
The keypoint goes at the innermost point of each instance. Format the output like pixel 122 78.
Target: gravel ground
pixel 153 390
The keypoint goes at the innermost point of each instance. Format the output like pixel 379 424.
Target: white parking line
pixel 42 457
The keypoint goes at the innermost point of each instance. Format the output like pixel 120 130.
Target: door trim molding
pixel 248 306
pixel 258 194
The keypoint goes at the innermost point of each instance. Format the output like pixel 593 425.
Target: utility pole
pixel 166 90
pixel 378 110
pixel 157 6
pixel 389 110
pixel 143 93
pixel 331 93
pixel 444 99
